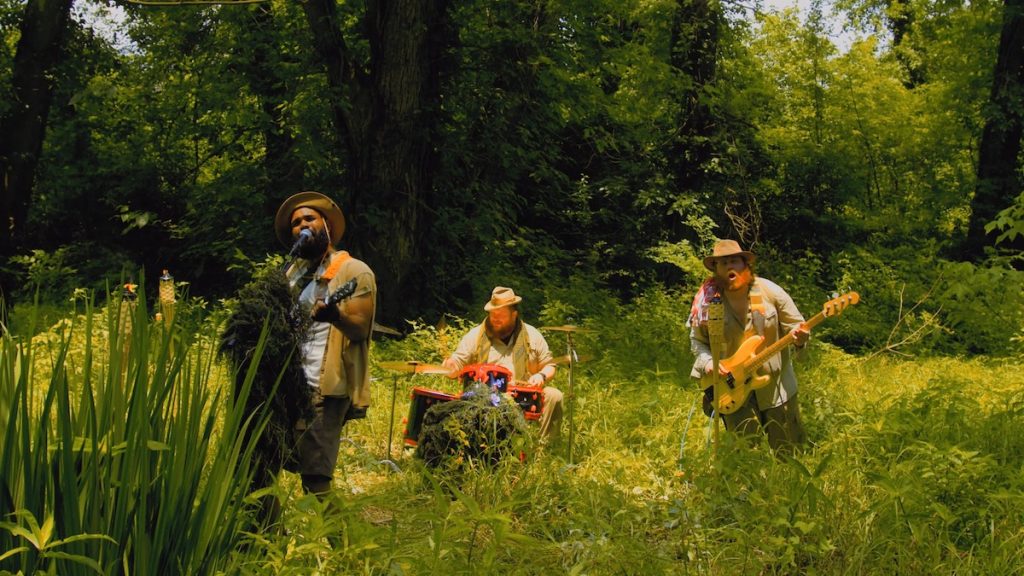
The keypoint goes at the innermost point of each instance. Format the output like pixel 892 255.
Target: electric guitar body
pixel 733 389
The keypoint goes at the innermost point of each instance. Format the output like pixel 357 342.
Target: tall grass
pixel 118 455
pixel 114 461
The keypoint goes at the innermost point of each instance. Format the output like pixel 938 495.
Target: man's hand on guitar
pixel 722 370
pixel 800 335
pixel 321 312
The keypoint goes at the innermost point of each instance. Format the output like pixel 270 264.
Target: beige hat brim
pixel 327 208
pixel 709 262
pixel 488 307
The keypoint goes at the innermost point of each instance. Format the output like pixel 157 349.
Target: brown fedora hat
pixel 725 248
pixel 501 297
pixel 325 206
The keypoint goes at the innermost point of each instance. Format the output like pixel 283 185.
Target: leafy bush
pixel 58 273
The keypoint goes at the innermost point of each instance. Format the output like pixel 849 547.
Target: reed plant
pixel 121 452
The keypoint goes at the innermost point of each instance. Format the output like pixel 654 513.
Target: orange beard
pixel 738 280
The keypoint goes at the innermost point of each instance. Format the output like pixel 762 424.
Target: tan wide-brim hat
pixel 501 297
pixel 325 206
pixel 725 248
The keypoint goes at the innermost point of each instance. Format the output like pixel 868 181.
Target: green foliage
pixel 48 273
pixel 1009 223
pixel 117 455
pixel 57 275
pixel 913 467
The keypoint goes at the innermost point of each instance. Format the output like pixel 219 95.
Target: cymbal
pixel 566 328
pixel 414 366
pixel 564 359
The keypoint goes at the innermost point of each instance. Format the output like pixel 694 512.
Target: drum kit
pixel 493 377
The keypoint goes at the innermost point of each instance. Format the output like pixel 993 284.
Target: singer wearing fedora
pixel 749 306
pixel 504 339
pixel 335 353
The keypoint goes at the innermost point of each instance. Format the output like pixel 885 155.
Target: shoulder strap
pixel 757 309
pixel 337 260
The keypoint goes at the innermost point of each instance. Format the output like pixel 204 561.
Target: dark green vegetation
pixel 585 153
pixel 475 143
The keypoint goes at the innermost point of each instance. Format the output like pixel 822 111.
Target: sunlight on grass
pixel 115 447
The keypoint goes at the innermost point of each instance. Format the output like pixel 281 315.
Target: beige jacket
pixel 781 317
pixel 346 365
pixel 538 355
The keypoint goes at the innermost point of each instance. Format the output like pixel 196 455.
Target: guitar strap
pixel 337 260
pixel 757 310
pixel 716 340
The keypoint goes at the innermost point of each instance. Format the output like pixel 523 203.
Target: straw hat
pixel 501 297
pixel 332 215
pixel 725 248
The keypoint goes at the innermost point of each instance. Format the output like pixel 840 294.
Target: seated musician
pixel 504 339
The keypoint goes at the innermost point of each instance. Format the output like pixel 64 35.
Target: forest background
pixel 559 147
pixel 586 153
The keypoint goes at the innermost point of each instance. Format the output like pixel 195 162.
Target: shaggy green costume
pixel 269 299
pixel 476 429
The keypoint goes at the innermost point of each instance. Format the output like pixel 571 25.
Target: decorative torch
pixel 167 297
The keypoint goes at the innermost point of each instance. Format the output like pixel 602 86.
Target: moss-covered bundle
pixel 269 299
pixel 484 428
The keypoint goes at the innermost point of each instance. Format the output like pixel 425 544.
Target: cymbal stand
pixel 573 359
pixel 391 422
pixel 391 418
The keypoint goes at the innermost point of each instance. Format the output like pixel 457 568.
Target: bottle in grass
pixel 167 297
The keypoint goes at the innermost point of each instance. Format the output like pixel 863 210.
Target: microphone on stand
pixel 305 236
pixel 293 266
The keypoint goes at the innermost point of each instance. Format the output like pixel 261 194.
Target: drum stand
pixel 391 418
pixel 390 426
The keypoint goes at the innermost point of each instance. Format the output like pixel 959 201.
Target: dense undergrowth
pixel 120 455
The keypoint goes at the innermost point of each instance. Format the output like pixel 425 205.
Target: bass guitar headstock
pixel 835 306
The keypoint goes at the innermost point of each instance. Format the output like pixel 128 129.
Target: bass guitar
pixel 732 389
pixel 344 291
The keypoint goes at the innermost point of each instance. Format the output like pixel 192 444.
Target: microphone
pixel 305 236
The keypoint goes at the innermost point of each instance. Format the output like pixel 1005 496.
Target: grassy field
pixel 916 466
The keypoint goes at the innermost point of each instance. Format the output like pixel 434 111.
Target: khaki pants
pixel 551 416
pixel 781 424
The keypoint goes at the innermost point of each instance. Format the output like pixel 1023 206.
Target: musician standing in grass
pixel 335 353
pixel 752 306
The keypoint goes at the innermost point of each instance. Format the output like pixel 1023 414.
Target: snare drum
pixel 496 378
pixel 422 399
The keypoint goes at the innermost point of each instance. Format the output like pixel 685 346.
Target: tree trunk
pixel 386 119
pixel 38 53
pixel 998 185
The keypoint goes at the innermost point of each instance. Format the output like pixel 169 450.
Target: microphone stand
pixel 572 362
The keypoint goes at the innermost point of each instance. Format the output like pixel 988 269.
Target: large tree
pixel 998 182
pixel 385 112
pixel 43 27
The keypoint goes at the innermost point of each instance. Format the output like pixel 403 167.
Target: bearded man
pixel 336 348
pixel 751 306
pixel 504 339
